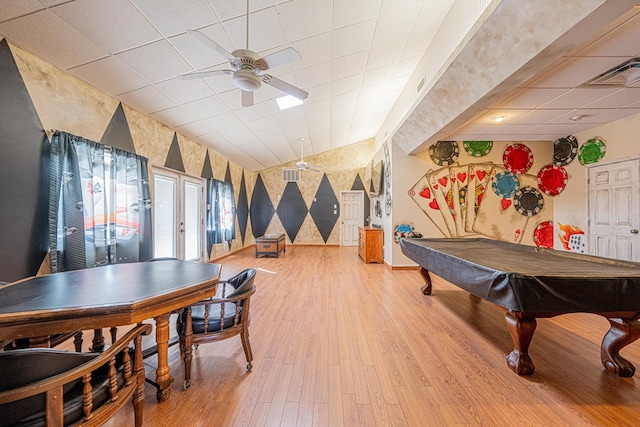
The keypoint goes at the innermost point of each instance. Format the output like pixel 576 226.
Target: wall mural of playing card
pixel 510 201
pixel 424 197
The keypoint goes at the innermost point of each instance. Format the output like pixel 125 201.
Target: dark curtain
pixel 99 205
pixel 221 213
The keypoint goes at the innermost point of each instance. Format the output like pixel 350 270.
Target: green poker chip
pixel 592 151
pixel 477 148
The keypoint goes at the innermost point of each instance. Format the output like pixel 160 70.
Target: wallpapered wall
pixel 38 98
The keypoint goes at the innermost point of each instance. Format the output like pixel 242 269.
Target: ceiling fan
pixel 302 165
pixel 249 68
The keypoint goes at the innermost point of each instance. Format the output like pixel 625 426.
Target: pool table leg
pixel 521 327
pixel 426 288
pixel 622 333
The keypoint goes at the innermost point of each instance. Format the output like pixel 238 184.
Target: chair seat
pixel 197 318
pixel 35 364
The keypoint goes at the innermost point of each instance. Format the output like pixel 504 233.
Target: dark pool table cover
pixel 530 279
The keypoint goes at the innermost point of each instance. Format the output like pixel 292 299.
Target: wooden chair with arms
pixel 220 317
pixel 51 387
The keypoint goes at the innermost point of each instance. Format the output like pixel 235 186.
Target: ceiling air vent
pixel 626 74
pixel 291 175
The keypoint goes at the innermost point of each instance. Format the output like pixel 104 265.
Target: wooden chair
pixel 220 317
pixel 51 387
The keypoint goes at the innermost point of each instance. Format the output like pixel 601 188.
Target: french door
pixel 178 212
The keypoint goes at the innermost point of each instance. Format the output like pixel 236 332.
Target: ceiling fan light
pixel 246 80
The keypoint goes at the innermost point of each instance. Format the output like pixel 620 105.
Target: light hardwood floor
pixel 340 343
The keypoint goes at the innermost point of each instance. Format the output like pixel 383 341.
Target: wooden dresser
pixel 370 244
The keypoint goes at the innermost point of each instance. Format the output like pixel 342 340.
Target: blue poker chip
pixel 505 184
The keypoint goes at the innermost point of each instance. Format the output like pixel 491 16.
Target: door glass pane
pixel 191 221
pixel 164 212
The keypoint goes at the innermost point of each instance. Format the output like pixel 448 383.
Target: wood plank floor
pixel 340 343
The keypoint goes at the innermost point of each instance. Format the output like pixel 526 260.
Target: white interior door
pixel 352 211
pixel 178 212
pixel 614 205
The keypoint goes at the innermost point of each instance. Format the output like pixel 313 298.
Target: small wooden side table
pixel 270 245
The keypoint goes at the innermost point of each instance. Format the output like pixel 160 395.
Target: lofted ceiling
pixel 359 60
pixel 357 56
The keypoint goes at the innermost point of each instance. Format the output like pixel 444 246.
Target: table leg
pixel 622 333
pixel 163 376
pixel 521 328
pixel 426 289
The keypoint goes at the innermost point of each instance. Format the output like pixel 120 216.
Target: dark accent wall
pixel 207 171
pixel 261 210
pixel 117 134
pixel 24 191
pixel 292 210
pixel 242 208
pixel 358 185
pixel 325 210
pixel 174 158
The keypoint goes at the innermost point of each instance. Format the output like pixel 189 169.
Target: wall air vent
pixel 291 175
pixel 626 74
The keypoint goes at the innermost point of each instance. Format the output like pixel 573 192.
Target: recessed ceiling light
pixel 499 118
pixel 288 101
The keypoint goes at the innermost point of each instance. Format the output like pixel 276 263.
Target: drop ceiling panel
pixel 176 15
pixel 578 97
pixel 183 91
pixel 303 19
pixel 194 129
pixel 350 12
pixel 622 41
pixel 67 49
pixel 396 25
pixel 354 38
pixel 531 98
pixel 110 75
pixel 384 54
pixel 174 116
pixel 147 100
pixel 95 20
pixel 156 61
pixel 207 107
pixel 222 121
pixel 618 99
pixel 15 8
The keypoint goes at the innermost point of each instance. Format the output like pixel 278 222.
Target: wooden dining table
pixel 107 296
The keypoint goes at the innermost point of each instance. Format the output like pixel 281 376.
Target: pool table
pixel 531 282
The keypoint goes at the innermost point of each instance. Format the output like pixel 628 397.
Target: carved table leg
pixel 521 329
pixel 426 289
pixel 188 348
pixel 163 377
pixel 622 333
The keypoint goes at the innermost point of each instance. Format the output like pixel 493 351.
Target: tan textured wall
pixel 341 166
pixel 66 103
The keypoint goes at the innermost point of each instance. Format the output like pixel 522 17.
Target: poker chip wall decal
pixel 565 150
pixel 505 184
pixel 592 151
pixel 477 148
pixel 552 179
pixel 528 201
pixel 517 158
pixel 444 153
pixel 543 235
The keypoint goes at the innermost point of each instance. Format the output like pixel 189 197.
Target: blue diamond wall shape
pixel 292 210
pixel 322 209
pixel 261 210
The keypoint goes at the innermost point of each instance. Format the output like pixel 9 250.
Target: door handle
pixel 634 231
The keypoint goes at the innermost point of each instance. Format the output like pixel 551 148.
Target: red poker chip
pixel 552 179
pixel 517 158
pixel 543 235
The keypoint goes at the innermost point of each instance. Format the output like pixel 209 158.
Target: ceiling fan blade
pixel 210 43
pixel 314 168
pixel 247 98
pixel 281 57
pixel 205 74
pixel 285 87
